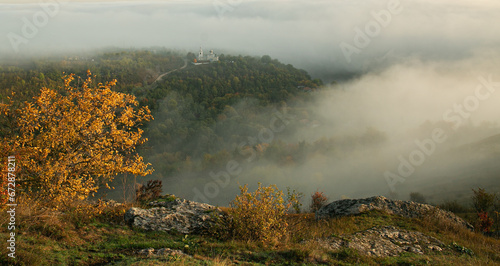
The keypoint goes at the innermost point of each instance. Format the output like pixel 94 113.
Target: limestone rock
pixel 397 207
pixel 112 203
pixel 385 241
pixel 161 252
pixel 180 215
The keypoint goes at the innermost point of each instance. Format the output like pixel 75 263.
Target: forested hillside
pixel 202 113
pixel 132 69
pixel 241 108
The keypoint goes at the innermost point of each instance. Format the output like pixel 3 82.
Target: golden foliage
pixel 73 140
pixel 259 215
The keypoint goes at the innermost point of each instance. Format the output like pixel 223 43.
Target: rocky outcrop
pixel 397 207
pixel 161 252
pixel 385 241
pixel 178 215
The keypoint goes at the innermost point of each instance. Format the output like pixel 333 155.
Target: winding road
pixel 166 73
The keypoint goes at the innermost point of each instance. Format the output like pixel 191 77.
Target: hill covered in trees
pixel 202 113
pixel 132 68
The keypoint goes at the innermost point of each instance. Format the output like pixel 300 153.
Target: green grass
pixel 166 198
pixel 98 242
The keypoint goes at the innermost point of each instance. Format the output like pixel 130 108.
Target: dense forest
pixel 204 115
pixel 131 68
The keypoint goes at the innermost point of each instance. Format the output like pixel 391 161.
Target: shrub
pixel 485 207
pixel 482 200
pixel 485 222
pixel 497 220
pixel 151 190
pixel 417 197
pixel 453 206
pixel 293 197
pixel 318 200
pixel 81 212
pixel 259 215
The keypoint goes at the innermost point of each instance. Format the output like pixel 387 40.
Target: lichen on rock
pixel 160 252
pixel 385 241
pixel 407 209
pixel 179 215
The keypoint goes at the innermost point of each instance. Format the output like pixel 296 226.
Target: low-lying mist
pixel 415 126
pixel 406 115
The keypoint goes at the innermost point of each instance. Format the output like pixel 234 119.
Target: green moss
pixel 166 198
pixel 100 243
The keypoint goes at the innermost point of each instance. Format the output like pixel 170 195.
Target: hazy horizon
pixel 306 34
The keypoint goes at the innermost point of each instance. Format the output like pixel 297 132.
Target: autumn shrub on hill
pixel 318 200
pixel 258 216
pixel 71 140
pixel 486 206
pixel 149 191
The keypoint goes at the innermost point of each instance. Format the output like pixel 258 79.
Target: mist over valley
pixel 379 83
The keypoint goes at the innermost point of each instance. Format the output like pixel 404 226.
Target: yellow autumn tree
pixel 72 140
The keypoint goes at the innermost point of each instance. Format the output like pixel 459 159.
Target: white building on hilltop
pixel 205 59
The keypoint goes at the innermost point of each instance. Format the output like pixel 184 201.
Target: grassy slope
pixel 62 239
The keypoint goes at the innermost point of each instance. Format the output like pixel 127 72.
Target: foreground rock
pixel 161 252
pixel 408 209
pixel 179 215
pixel 385 241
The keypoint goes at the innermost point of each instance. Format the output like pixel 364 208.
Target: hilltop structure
pixel 205 59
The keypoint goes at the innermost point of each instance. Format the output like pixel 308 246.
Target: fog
pixel 307 34
pixel 431 114
pixel 408 102
pixel 402 68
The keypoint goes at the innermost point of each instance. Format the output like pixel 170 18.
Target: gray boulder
pixel 179 215
pixel 385 241
pixel 407 209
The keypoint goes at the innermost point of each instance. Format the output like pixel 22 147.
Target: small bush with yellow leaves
pixel 258 216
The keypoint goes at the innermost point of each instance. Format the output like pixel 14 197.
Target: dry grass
pixel 41 229
pixel 219 261
pixel 449 232
pixel 32 218
pixel 304 227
